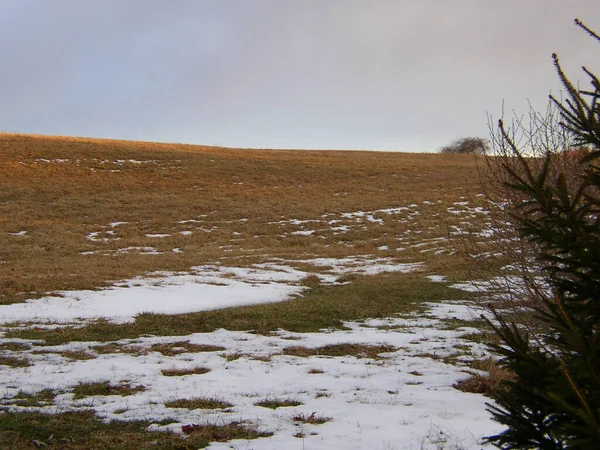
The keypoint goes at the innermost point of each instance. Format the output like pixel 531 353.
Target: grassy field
pixel 85 213
pixel 59 197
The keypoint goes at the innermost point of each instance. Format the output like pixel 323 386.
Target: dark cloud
pixel 269 73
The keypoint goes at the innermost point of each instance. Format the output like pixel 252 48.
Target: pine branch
pixel 592 33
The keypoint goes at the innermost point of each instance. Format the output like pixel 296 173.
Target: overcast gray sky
pixel 345 74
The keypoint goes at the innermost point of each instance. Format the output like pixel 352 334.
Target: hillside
pixel 237 297
pixel 59 197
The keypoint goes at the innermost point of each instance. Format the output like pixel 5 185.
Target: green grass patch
pixel 322 307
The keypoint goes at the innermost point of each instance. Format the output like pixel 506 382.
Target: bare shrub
pixel 467 145
pixel 491 242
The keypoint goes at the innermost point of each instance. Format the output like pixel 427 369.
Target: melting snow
pixel 140 250
pixel 363 265
pixel 303 232
pixel 437 278
pixel 404 400
pixel 206 289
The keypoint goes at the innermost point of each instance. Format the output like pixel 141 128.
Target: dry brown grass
pixel 176 348
pixel 80 355
pixel 62 190
pixel 42 398
pixel 12 361
pixel 83 431
pixel 14 346
pixel 60 199
pixel 105 388
pixel 181 372
pixel 312 419
pixel 222 433
pixel 488 383
pixel 199 403
pixel 357 350
pixel 274 403
pixel 108 349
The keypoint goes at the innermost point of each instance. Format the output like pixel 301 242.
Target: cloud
pixel 267 73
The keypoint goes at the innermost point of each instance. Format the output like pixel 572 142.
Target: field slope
pixel 185 287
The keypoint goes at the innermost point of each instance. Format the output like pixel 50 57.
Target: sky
pixel 313 74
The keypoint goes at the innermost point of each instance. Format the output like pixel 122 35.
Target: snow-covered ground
pixel 202 289
pixel 401 399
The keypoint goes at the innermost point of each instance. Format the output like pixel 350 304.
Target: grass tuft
pixel 199 403
pixel 495 379
pixel 357 350
pixel 231 356
pixel 105 388
pixel 41 398
pixel 311 281
pixel 83 431
pixel 12 361
pixel 107 349
pixel 176 348
pixel 14 346
pixel 181 372
pixel 222 433
pixel 312 418
pixel 80 355
pixel 275 403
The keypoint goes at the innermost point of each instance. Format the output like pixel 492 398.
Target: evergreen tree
pixel 554 400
